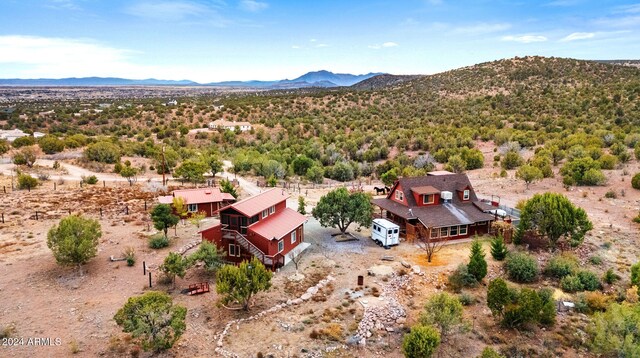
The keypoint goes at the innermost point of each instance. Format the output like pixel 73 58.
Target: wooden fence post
pixel 150 279
pixel 144 267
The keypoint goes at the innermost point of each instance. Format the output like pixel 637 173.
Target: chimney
pixel 173 194
pixel 283 192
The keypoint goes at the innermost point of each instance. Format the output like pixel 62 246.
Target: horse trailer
pixel 385 233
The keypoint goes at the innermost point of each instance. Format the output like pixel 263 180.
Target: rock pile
pixel 189 246
pixel 219 337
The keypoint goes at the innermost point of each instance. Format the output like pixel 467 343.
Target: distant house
pixel 260 226
pixel 173 102
pixel 47 113
pixel 224 124
pixel 12 134
pixel 37 135
pixel 441 202
pixel 207 200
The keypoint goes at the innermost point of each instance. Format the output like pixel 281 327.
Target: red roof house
pixel 207 200
pixel 443 203
pixel 260 226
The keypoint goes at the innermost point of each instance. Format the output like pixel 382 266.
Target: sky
pixel 221 40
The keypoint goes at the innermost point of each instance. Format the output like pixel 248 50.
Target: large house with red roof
pixel 207 200
pixel 441 202
pixel 260 226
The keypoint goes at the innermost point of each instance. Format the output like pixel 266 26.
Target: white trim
pixel 280 249
pixel 425 196
pixel 451 229
pixel 444 228
pixel 190 206
pixel 294 236
pixel 265 213
pixel 466 230
pixel 399 195
pixel 272 210
pixel 466 194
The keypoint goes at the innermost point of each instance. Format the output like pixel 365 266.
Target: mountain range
pixel 310 79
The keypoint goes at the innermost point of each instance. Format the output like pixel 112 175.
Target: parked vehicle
pixel 385 233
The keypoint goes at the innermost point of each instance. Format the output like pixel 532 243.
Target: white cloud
pixel 322 45
pixel 563 3
pixel 63 5
pixel 313 40
pixel 253 6
pixel 389 44
pixel 296 47
pixel 624 21
pixel 525 38
pixel 578 36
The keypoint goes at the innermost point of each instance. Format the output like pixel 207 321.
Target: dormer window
pixel 465 195
pixel 428 199
pixel 399 195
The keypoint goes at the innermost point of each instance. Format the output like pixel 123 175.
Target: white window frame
pixel 265 213
pixel 451 229
pixel 443 229
pixel 294 237
pixel 399 195
pixel 425 196
pixel 466 195
pixel 192 208
pixel 435 233
pixel 466 230
pixel 280 243
pixel 236 250
pixel 272 210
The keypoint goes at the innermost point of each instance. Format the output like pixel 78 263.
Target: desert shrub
pixel 594 177
pixel 420 342
pixel 522 267
pixel 571 283
pixel 635 181
pixel 610 277
pixel 51 144
pixel 635 274
pixel 467 299
pixel 103 152
pixel 92 179
pixel 443 311
pixel 158 242
pixel 548 311
pixel 524 311
pixel 461 278
pixel 595 260
pixel 129 254
pixel 489 352
pixel 24 142
pixel 512 160
pixel 594 301
pixel 561 265
pixel 498 296
pixel 608 161
pixel 589 280
pixel 615 333
pixel 26 181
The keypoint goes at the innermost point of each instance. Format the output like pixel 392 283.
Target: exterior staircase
pixel 269 261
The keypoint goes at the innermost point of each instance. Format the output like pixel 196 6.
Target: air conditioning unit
pixel 446 195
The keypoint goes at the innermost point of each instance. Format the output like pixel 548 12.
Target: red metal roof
pixel 279 224
pixel 255 204
pixel 197 196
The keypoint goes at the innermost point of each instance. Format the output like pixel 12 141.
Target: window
pixel 434 232
pixel 395 231
pixel 399 195
pixel 272 209
pixel 463 230
pixel 293 237
pixel 192 208
pixel 280 245
pixel 465 195
pixel 444 231
pixel 234 250
pixel 265 213
pixel 428 199
pixel 453 231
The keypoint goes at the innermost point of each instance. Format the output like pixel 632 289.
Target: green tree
pixel 174 265
pixel 103 152
pixel 339 209
pixel 24 142
pixel 522 267
pixel 213 163
pixel 4 146
pixel 315 174
pixel 192 171
pixel 227 187
pixel 163 218
pixel 25 156
pixel 302 205
pixel 477 264
pixel 583 171
pixel 635 274
pixel 526 310
pixel 443 311
pixel 179 206
pixel 74 241
pixel 240 283
pixel 529 174
pixel 498 296
pixel 153 320
pixel 302 164
pixel 553 216
pixel 420 342
pixel 51 144
pixel 26 181
pixel 390 177
pixel 209 255
pixel 498 248
pixel 615 333
pixel 128 172
pixel 511 160
pixel 342 171
pixel 635 181
pixel 456 164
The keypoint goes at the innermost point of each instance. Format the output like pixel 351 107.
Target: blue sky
pixel 216 40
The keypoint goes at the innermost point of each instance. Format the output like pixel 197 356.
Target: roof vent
pixel 446 196
pixel 207 192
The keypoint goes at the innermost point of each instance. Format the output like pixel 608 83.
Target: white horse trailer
pixel 385 233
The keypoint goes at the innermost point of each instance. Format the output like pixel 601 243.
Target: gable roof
pixel 456 212
pixel 279 224
pixel 257 203
pixel 197 196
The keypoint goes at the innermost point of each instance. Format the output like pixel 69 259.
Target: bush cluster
pixel 522 267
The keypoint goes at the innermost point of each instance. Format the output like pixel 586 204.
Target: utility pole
pixel 163 168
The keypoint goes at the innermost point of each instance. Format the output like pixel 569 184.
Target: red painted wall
pixel 418 198
pixel 271 246
pixel 393 195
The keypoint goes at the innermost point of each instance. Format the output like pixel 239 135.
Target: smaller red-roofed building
pixel 260 226
pixel 206 200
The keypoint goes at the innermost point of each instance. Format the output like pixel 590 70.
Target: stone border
pixel 219 337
